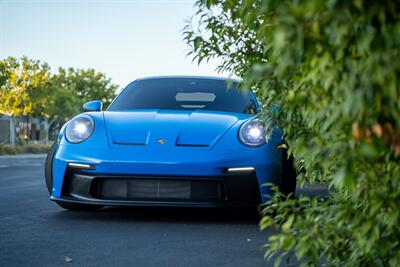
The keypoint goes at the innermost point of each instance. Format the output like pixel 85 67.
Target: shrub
pixel 7 150
pixel 30 149
pixel 333 68
pixel 35 149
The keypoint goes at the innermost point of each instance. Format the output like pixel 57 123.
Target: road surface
pixel 36 232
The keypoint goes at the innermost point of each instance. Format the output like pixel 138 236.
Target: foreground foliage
pixel 333 68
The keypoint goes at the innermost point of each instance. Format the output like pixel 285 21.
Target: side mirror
pixel 95 105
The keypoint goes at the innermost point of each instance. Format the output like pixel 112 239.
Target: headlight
pixel 79 129
pixel 252 133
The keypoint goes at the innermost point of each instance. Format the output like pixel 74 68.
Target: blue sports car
pixel 169 141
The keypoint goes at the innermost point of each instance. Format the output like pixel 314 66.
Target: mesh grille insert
pixel 158 189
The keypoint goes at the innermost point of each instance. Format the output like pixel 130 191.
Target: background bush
pixel 333 66
pixel 19 149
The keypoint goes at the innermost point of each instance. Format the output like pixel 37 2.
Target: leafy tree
pixel 89 85
pixel 8 97
pixel 63 102
pixel 332 66
pixel 23 89
pixel 29 89
pixel 71 88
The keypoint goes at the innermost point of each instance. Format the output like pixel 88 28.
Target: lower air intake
pixel 157 189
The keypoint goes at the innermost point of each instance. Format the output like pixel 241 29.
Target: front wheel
pixel 48 175
pixel 48 168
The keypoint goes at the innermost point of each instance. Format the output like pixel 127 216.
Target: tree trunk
pixel 27 131
pixel 47 125
pixel 46 129
pixel 12 130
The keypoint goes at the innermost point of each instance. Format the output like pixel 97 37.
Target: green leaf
pixel 286 226
pixel 196 43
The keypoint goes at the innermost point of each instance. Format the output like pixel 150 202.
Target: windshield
pixel 184 94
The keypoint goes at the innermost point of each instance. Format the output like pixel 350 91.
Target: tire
pixel 48 168
pixel 48 175
pixel 288 179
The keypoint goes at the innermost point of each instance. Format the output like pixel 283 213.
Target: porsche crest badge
pixel 161 142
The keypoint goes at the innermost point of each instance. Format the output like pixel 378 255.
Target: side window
pixel 251 108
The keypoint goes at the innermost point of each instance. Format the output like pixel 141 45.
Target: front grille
pixel 229 189
pixel 148 189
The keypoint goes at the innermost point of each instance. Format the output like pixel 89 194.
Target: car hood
pixel 172 128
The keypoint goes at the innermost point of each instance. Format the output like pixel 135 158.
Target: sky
pixel 124 39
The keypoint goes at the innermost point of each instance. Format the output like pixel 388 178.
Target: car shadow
pixel 182 215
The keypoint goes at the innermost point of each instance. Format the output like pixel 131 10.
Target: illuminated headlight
pixel 252 133
pixel 79 129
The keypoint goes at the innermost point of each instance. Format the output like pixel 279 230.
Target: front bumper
pixel 238 190
pixel 163 163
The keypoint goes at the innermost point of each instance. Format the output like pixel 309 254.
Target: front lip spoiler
pixel 150 203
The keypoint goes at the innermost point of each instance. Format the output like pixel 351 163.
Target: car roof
pixel 188 77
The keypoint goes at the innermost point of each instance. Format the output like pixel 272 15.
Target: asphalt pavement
pixel 36 232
